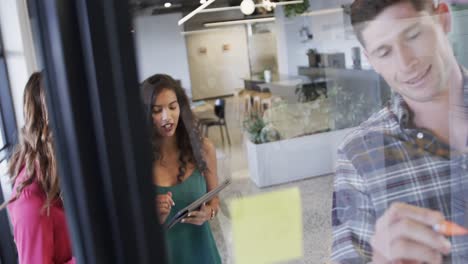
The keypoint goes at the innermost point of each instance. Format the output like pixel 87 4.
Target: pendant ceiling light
pixel 268 5
pixel 247 7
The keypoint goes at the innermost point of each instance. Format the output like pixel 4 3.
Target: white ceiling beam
pixel 239 22
pixel 194 12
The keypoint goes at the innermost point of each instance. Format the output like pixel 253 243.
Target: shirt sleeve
pixel 33 231
pixel 353 216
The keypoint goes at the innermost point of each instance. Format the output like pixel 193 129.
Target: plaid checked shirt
pixel 384 160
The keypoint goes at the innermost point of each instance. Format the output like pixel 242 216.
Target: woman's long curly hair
pixel 35 151
pixel 188 136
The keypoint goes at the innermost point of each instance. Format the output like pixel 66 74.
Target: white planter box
pixel 293 159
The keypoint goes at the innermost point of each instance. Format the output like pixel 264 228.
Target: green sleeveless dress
pixel 186 243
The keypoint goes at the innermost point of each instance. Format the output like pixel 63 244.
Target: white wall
pixel 281 42
pixel 19 50
pixel 459 35
pixel 331 34
pixel 263 49
pixel 160 48
pixel 20 60
pixel 218 72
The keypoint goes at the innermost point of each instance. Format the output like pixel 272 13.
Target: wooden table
pixel 245 101
pixel 254 101
pixel 205 110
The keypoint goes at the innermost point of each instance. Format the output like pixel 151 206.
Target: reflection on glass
pixel 36 204
pixel 300 84
pixel 261 38
pixel 184 169
pixel 401 174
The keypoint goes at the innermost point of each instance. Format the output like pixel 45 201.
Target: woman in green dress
pixel 184 169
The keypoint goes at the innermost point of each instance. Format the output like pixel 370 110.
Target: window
pixel 7 114
pixel 7 139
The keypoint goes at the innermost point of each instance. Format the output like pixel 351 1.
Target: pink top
pixel 39 238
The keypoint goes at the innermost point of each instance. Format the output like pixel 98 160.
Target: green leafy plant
pixel 296 9
pixel 259 131
pixel 254 124
pixel 307 92
pixel 269 134
pixel 312 51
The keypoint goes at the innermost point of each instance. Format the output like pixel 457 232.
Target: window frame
pixel 7 113
pixel 8 252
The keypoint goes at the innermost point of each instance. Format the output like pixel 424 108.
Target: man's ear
pixel 442 12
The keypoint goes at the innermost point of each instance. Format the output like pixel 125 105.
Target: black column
pixel 101 140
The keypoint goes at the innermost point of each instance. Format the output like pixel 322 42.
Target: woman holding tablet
pixel 184 169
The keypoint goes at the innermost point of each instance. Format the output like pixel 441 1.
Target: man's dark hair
pixel 367 10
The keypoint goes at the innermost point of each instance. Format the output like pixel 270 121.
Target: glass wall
pixel 334 131
pixel 310 112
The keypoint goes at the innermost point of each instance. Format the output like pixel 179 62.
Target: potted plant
pixel 306 93
pixel 274 160
pixel 313 57
pixel 253 125
pixel 258 131
pixel 296 9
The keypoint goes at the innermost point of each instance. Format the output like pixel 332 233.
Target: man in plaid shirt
pixel 404 169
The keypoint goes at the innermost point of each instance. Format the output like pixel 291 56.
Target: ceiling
pixel 184 6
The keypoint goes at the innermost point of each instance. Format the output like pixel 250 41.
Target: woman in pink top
pixel 36 208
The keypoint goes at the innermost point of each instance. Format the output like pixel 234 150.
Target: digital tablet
pixel 196 205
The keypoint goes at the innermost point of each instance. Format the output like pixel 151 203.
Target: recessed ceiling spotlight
pixel 167 4
pixel 202 1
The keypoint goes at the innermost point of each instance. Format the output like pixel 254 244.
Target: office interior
pixel 276 91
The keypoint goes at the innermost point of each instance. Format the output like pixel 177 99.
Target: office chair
pixel 206 123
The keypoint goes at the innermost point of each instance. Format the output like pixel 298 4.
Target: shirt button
pixel 420 135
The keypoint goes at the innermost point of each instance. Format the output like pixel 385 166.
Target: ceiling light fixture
pixel 247 7
pixel 202 1
pixel 237 7
pixel 268 5
pixel 167 5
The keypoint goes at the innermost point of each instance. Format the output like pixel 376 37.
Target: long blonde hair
pixel 35 151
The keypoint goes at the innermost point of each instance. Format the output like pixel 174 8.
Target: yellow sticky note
pixel 267 228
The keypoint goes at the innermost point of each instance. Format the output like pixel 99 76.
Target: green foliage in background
pixel 260 132
pixel 307 92
pixel 269 134
pixel 254 124
pixel 297 9
pixel 312 51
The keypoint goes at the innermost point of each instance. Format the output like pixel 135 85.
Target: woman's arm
pixel 211 175
pixel 209 210
pixel 33 230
